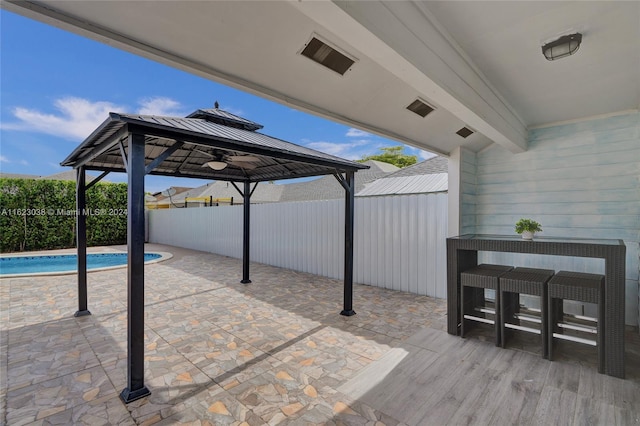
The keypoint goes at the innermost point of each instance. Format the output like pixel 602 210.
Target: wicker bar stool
pixel 530 281
pixel 473 282
pixel 581 287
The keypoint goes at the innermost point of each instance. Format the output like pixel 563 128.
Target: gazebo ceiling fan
pixel 220 161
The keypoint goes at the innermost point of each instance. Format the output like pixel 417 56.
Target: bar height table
pixel 462 254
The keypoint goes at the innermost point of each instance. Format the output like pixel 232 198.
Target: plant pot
pixel 527 235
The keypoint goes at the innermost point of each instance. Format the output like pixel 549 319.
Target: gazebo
pixel 208 144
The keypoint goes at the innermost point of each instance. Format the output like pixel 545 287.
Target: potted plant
pixel 527 227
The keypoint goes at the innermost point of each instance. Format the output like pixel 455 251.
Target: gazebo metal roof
pixel 192 141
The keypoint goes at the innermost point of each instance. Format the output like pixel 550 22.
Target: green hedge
pixel 40 214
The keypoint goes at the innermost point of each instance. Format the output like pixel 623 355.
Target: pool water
pixel 13 265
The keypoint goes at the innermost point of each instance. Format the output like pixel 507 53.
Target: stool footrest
pixel 578 327
pixel 485 310
pixel 575 339
pixel 581 317
pixel 484 320
pixel 528 318
pixel 522 328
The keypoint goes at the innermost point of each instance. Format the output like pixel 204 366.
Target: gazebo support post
pixel 246 228
pixel 135 280
pixel 81 241
pixel 246 233
pixel 349 185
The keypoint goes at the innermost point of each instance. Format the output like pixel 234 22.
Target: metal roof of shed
pixel 196 141
pixel 403 185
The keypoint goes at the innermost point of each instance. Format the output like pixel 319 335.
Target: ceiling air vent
pixel 420 108
pixel 464 132
pixel 326 55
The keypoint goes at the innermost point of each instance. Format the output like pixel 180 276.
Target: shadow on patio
pixel 278 352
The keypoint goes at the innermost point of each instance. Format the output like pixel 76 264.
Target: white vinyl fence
pixel 400 241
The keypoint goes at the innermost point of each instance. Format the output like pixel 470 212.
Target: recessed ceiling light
pixel 327 56
pixel 465 132
pixel 421 108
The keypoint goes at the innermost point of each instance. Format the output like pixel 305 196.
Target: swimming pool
pixel 61 264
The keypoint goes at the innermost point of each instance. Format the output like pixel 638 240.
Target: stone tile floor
pixel 219 352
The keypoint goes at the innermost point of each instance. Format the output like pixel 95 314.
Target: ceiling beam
pixel 403 38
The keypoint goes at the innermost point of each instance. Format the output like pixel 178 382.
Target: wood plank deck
pixel 434 378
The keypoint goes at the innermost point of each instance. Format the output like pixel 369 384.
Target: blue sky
pixel 57 87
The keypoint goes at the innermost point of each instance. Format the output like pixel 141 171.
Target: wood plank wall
pixel 468 189
pixel 578 180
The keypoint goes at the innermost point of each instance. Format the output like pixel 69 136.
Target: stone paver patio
pixel 273 352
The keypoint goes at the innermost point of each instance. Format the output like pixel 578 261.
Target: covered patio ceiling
pixel 479 64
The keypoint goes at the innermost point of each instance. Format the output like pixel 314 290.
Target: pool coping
pixel 163 256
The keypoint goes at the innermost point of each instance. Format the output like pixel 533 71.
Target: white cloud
pixel 425 155
pixel 160 106
pixel 350 151
pixel 356 133
pixel 422 155
pixel 4 159
pixel 76 118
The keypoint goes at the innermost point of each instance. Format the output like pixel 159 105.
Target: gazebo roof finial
pixel 216 105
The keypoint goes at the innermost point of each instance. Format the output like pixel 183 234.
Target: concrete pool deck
pixel 277 352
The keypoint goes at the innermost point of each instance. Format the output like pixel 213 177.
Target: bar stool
pixel 530 281
pixel 581 287
pixel 473 282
